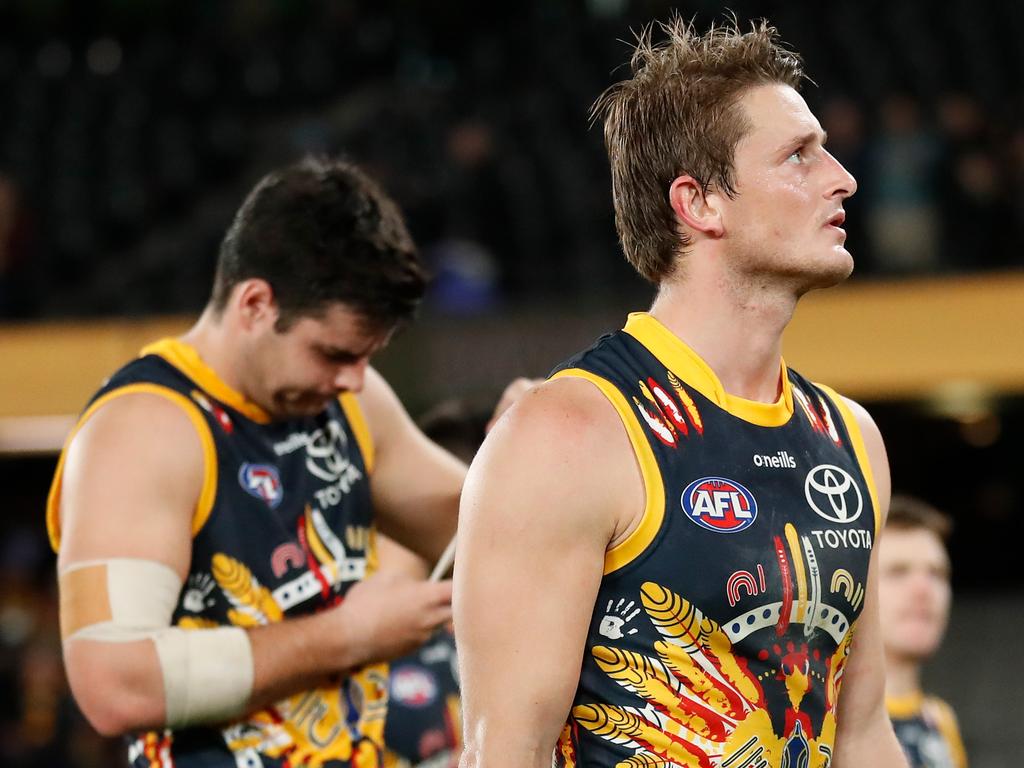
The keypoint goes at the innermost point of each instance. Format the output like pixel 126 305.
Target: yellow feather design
pixel 251 599
pixel 197 622
pixel 621 726
pixel 698 637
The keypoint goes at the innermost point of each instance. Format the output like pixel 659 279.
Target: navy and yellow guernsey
pixel 282 529
pixel 723 621
pixel 927 730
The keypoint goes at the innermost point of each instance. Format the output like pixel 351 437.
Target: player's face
pixel 914 592
pixel 314 360
pixel 786 219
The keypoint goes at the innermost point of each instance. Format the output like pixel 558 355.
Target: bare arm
pixel 415 483
pixel 864 733
pixel 544 498
pixel 132 478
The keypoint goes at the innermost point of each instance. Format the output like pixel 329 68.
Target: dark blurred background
pixel 131 129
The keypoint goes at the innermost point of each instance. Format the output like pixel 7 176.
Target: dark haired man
pixel 914 597
pixel 213 508
pixel 664 550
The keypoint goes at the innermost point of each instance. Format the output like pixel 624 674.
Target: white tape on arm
pixel 207 673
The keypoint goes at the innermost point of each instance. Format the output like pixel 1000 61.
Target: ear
pixel 697 210
pixel 255 304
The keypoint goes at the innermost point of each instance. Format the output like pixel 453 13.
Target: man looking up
pixel 664 550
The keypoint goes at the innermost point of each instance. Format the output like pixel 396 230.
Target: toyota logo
pixel 833 494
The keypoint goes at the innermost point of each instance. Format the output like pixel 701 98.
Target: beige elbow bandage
pixel 207 673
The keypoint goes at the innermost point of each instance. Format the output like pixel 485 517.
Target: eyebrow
pixel 807 138
pixel 336 353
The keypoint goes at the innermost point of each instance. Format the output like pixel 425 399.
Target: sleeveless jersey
pixel 282 529
pixel 928 732
pixel 424 726
pixel 723 621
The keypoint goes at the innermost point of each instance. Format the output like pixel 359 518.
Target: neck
pixel 211 337
pixel 735 326
pixel 902 676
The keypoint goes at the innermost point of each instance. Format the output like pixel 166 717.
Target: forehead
pixel 911 545
pixel 777 114
pixel 340 327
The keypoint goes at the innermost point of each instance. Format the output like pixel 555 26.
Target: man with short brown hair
pixel 664 550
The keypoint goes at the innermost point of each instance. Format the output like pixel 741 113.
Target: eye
pixel 797 156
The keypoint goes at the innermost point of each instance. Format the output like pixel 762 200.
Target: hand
pixel 388 615
pixel 512 392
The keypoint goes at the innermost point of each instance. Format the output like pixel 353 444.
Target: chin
pixel 920 646
pixel 830 271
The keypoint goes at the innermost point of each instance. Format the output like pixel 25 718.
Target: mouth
pixel 837 220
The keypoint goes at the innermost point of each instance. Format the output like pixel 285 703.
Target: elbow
pixel 115 693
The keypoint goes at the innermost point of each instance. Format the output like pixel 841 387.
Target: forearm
pixel 128 686
pixel 297 654
pixel 871 743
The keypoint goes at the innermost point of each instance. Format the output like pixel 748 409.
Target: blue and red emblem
pixel 261 481
pixel 719 504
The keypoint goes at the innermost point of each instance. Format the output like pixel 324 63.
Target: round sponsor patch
pixel 261 481
pixel 719 504
pixel 413 686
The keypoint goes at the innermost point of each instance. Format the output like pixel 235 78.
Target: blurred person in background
pixel 914 598
pixel 212 510
pixel 902 212
pixel 16 299
pixel 666 550
pixel 424 723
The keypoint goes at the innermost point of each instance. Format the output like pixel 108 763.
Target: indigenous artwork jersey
pixel 928 732
pixel 723 622
pixel 282 529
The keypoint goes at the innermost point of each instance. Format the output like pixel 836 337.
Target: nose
pixel 350 376
pixel 842 185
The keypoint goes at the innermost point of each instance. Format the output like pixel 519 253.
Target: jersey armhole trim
pixel 946 722
pixel 357 420
pixel 859 449
pixel 654 509
pixel 204 506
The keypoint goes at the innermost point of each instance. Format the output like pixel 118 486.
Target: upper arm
pixel 415 483
pixel 130 482
pixel 863 725
pixel 544 498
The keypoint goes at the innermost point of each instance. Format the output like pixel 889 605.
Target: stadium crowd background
pixel 130 129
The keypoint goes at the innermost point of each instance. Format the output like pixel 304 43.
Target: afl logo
pixel 833 494
pixel 720 505
pixel 261 481
pixel 413 686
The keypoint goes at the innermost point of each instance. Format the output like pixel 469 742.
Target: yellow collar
pixel 904 706
pixel 688 366
pixel 186 359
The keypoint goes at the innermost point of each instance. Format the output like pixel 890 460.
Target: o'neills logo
pixel 780 460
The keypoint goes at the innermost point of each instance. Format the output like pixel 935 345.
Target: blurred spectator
pixel 15 253
pixel 975 207
pixel 902 214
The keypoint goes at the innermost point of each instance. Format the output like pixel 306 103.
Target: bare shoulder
pixel 563 446
pixel 377 397
pixel 138 459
